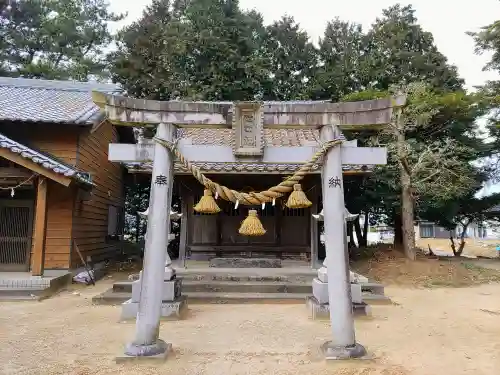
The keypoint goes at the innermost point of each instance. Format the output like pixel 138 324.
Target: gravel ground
pixel 437 331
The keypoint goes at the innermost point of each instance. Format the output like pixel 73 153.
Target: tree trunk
pixel 350 235
pixel 365 228
pixel 458 252
pixel 359 233
pixel 137 227
pixel 461 247
pixel 398 230
pixel 407 218
pixel 407 211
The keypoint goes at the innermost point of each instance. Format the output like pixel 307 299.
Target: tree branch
pixel 428 177
pixel 404 163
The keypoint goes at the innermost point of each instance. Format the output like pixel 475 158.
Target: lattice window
pixel 426 230
pixel 295 212
pixel 268 211
pixel 15 234
pixel 229 210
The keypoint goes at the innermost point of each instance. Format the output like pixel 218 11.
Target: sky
pixel 448 21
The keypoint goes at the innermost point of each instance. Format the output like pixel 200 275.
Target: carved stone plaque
pixel 247 127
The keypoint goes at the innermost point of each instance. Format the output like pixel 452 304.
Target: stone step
pixel 245 287
pixel 376 299
pixel 245 298
pixel 112 297
pixel 305 275
pixel 305 279
pixel 373 288
pixel 244 278
pixel 230 287
pixel 245 263
pixel 126 286
pixel 116 298
pixel 17 298
pixel 21 294
pixel 122 286
pixel 109 297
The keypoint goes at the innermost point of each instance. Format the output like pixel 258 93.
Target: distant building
pixel 426 229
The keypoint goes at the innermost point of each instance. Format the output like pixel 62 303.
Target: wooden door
pixel 231 219
pixel 267 217
pixel 16 230
pixel 295 227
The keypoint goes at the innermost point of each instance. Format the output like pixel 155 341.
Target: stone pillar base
pixel 321 311
pixel 335 352
pixel 173 306
pixel 158 352
pixel 171 290
pixel 170 310
pixel 168 275
pixel 320 291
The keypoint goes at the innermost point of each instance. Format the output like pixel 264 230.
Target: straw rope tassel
pixel 207 204
pixel 252 226
pixel 298 198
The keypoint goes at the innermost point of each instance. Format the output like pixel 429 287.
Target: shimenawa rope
pixel 253 198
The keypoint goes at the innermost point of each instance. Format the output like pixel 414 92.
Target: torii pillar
pixel 157 263
pixel 343 344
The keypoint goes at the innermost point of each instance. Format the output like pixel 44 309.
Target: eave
pixel 41 164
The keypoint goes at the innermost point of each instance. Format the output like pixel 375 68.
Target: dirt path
pixel 438 331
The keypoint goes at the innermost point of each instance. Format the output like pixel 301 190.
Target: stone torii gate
pixel 247 119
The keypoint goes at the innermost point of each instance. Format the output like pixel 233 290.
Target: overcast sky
pixel 448 20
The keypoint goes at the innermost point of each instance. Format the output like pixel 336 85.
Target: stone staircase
pixel 242 285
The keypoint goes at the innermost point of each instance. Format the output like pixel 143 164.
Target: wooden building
pixel 58 191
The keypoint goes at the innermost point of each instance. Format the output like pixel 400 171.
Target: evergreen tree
pixel 198 49
pixel 399 51
pixel 54 39
pixel 292 61
pixel 341 52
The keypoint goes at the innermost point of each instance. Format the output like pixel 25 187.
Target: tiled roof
pixel 245 167
pixel 225 137
pixel 272 137
pixel 45 161
pixel 36 100
pixel 494 209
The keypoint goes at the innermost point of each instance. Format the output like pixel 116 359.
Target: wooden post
pixel 40 226
pixel 184 228
pixel 314 232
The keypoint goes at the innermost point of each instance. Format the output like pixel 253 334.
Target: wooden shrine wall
pixel 287 231
pixel 58 140
pixel 92 216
